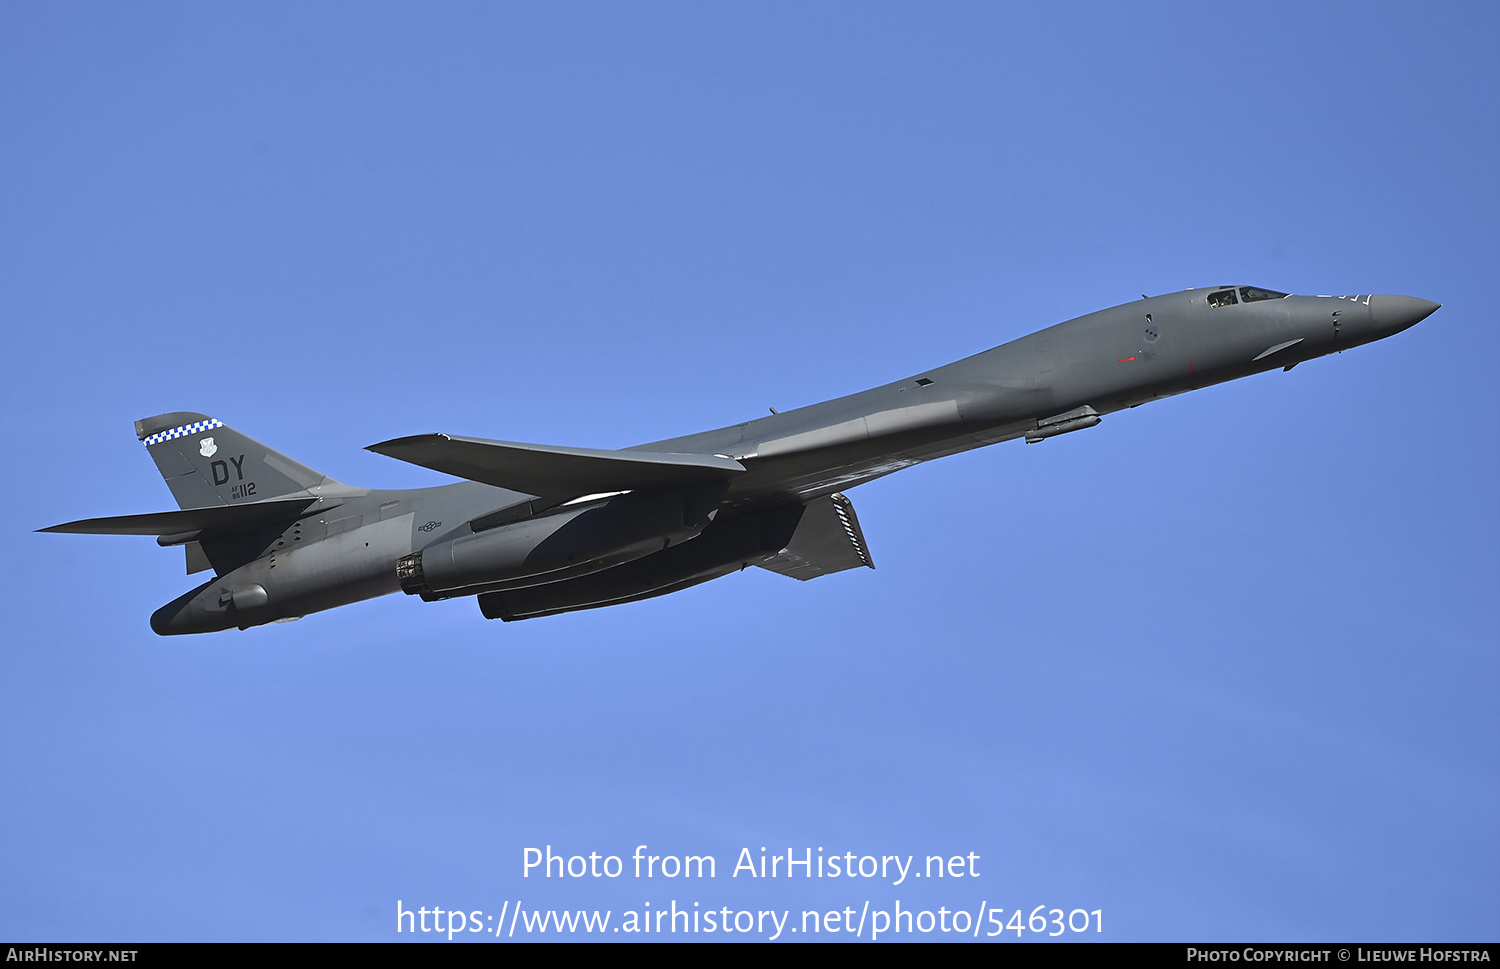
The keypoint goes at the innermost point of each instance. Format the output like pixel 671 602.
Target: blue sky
pixel 1224 667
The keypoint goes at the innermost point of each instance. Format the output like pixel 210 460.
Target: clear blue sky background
pixel 1224 667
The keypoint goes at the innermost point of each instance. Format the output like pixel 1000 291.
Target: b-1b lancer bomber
pixel 537 531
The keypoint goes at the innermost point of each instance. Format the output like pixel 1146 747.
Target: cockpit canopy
pixel 1225 296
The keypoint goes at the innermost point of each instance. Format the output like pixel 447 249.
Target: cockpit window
pixel 1251 294
pixel 1224 297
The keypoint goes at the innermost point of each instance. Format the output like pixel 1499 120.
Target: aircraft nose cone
pixel 1395 313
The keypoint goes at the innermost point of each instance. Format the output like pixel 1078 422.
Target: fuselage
pixel 1110 360
pixel 1059 379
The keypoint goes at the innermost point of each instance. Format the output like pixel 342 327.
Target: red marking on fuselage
pixel 1126 360
pixel 1190 367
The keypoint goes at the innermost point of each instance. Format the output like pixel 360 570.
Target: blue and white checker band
pixel 186 430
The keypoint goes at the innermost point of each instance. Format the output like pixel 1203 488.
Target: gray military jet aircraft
pixel 537 531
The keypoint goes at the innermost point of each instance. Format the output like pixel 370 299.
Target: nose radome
pixel 1395 313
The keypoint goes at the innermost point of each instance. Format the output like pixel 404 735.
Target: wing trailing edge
pixel 537 469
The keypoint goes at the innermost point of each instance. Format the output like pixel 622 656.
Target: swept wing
pixel 551 472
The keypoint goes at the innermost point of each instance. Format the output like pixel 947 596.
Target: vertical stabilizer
pixel 205 462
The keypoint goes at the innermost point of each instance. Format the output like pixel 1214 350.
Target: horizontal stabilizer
pixel 556 471
pixel 828 539
pixel 215 518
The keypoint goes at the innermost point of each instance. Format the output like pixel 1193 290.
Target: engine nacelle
pixel 569 541
pixel 726 547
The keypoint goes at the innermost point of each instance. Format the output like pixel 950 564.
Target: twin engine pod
pixel 727 546
pixel 573 540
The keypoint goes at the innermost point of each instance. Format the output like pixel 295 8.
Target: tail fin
pixel 208 463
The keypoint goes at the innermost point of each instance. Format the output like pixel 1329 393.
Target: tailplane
pixel 234 494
